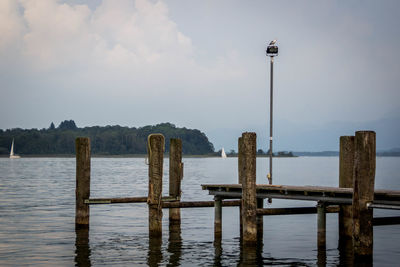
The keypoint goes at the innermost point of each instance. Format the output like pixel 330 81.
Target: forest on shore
pixel 107 140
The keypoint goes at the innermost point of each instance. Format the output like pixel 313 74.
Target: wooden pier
pixel 354 199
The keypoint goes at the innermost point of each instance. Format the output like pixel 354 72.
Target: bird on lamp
pixel 272 42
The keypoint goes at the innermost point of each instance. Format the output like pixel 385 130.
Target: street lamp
pixel 272 51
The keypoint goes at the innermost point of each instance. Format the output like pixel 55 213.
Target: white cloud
pixel 11 26
pixel 120 40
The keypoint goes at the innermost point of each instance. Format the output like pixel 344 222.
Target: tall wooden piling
pixel 175 176
pixel 364 180
pixel 346 168
pixel 155 150
pixel 249 200
pixel 82 191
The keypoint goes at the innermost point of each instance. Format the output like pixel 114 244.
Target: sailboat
pixel 223 154
pixel 12 155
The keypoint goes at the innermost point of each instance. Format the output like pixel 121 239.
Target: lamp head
pixel 272 49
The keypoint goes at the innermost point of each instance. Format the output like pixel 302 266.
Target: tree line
pixel 107 140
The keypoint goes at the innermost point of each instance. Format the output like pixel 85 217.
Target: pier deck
pixel 332 195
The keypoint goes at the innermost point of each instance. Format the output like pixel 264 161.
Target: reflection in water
pixel 321 257
pixel 363 261
pixel 251 255
pixel 82 249
pixel 347 257
pixel 174 243
pixel 217 251
pixel 154 254
pixel 346 251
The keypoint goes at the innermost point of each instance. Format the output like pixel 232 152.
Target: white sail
pixel 223 154
pixel 12 155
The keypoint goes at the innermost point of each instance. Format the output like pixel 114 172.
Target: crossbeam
pixel 166 202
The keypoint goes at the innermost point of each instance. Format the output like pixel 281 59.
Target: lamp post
pixel 272 51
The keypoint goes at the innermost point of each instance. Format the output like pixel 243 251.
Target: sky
pixel 202 64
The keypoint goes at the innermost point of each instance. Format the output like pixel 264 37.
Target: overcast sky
pixel 197 64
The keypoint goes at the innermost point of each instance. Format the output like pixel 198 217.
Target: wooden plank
pixel 199 204
pixel 125 200
pixel 166 202
pixel 294 211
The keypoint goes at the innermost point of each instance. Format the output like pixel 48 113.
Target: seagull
pixel 272 42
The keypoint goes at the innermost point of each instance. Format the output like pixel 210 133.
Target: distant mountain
pixel 293 136
pixel 108 140
pixel 317 154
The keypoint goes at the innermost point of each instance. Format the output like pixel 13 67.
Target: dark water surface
pixel 37 209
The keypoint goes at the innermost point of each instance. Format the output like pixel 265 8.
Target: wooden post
pixel 321 225
pixel 82 192
pixel 240 179
pixel 260 220
pixel 346 167
pixel 175 176
pixel 364 180
pixel 155 150
pixel 217 218
pixel 249 200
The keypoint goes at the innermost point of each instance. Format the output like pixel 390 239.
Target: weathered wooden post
pixel 321 214
pixel 175 176
pixel 240 179
pixel 155 150
pixel 82 191
pixel 249 198
pixel 364 180
pixel 346 168
pixel 217 218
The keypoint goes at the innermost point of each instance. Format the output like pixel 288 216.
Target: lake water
pixel 37 216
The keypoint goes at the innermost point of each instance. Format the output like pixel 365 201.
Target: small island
pixel 105 140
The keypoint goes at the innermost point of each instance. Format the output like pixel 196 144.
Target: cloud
pixel 119 41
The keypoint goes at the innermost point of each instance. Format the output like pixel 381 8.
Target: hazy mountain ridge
pixel 291 136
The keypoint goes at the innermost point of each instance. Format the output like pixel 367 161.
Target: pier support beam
pixel 346 168
pixel 321 214
pixel 249 200
pixel 155 150
pixel 217 218
pixel 364 180
pixel 82 147
pixel 175 177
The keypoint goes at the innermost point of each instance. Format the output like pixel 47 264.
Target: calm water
pixel 37 209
